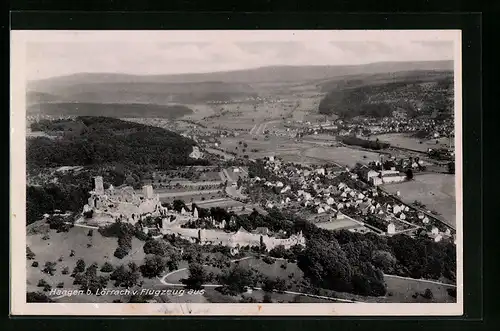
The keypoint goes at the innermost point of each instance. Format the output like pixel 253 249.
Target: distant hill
pixel 353 81
pixel 40 97
pixel 124 89
pixel 108 109
pixel 414 93
pixel 263 74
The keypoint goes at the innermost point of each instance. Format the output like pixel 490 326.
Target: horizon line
pixel 228 71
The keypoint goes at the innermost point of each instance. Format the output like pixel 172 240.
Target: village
pixel 340 198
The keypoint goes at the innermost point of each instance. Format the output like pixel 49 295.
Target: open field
pixel 435 191
pixel 193 196
pixel 407 141
pixel 61 244
pixel 401 290
pixel 341 155
pixel 338 224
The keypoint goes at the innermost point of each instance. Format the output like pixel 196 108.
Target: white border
pixel 19 39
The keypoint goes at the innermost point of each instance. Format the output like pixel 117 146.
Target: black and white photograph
pixel 285 172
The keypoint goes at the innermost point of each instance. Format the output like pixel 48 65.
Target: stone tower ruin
pixel 98 185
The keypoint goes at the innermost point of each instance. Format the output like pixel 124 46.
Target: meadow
pixel 341 155
pixel 435 191
pixel 405 140
pixel 95 248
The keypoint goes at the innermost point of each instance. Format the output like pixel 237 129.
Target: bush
pixel 65 270
pixel 42 283
pixel 428 294
pixel 34 264
pixel 153 266
pixel 29 254
pixel 120 252
pixel 60 285
pixel 37 297
pixel 49 268
pixel 107 267
pixel 80 266
pixel 268 260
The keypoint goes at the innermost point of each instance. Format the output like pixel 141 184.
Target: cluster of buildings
pixel 121 203
pixel 322 192
pixel 124 204
pixel 235 240
pixel 377 178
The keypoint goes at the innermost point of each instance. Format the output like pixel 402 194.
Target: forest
pixel 370 144
pixel 122 152
pixel 87 141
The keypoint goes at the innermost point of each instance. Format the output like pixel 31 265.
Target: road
pixel 164 282
pixel 420 280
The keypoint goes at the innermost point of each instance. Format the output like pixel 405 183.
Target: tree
pixel 154 265
pixel 50 268
pixel 120 252
pixel 37 297
pixel 126 276
pixel 451 167
pixel 280 285
pixel 197 276
pixel 89 280
pixel 267 298
pixel 326 265
pixel 236 279
pixel 278 251
pixel 80 266
pixel 384 260
pixel 428 294
pixel 268 284
pixel 29 254
pixel 409 174
pixel 248 300
pixel 140 298
pixel 107 267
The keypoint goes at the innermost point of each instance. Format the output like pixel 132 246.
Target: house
pixel 376 181
pixel 391 228
pixel 393 177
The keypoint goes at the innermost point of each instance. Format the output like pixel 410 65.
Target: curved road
pixel 164 282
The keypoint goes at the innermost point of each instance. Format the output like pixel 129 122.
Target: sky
pixel 57 53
